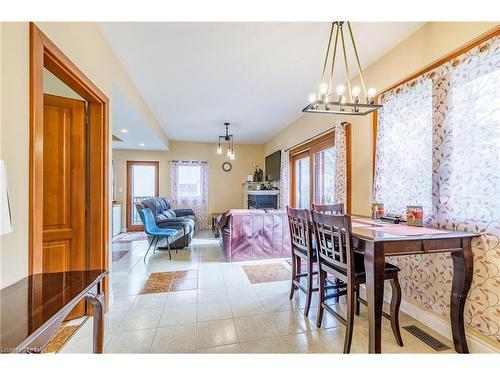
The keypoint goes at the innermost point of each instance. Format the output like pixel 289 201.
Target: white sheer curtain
pixel 340 163
pixel 284 184
pixel 189 188
pixel 444 153
pixel 403 168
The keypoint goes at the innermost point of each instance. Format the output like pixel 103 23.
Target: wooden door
pixel 64 187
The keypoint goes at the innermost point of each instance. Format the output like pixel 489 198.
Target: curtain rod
pixel 315 136
pixel 190 161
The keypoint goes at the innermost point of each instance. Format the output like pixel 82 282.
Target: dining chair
pixel 335 209
pixel 332 209
pixel 302 249
pixel 336 256
pixel 156 233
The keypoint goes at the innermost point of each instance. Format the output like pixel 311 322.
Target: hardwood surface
pixel 64 175
pixel 377 245
pixel 33 308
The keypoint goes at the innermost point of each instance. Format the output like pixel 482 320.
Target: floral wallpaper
pixel 464 191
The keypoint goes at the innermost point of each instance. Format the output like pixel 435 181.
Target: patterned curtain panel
pixel 284 179
pixel 189 188
pixel 341 167
pixel 438 145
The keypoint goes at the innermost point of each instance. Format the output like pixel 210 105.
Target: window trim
pixel 443 60
pixel 313 146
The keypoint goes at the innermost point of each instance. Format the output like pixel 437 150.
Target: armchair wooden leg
pixel 321 295
pixel 395 303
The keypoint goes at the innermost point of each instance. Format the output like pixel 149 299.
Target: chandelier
pixel 230 145
pixel 340 102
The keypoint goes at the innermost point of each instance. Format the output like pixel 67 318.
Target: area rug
pixel 129 237
pixel 161 282
pixel 118 254
pixel 62 335
pixel 265 273
pixel 303 266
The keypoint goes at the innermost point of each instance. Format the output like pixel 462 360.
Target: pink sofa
pixel 254 234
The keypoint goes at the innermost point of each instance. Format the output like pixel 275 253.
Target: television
pixel 273 166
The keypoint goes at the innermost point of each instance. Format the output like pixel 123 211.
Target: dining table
pixel 379 239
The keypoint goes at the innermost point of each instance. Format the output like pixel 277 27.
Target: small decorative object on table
pixel 377 210
pixel 415 215
pixel 258 175
pixel 250 178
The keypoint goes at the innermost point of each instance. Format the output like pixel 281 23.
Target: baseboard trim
pixel 441 325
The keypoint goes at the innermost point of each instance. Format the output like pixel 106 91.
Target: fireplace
pixel 262 200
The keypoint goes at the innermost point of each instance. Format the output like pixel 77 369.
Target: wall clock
pixel 226 166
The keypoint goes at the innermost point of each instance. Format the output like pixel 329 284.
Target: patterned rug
pixel 62 335
pixel 160 282
pixel 129 237
pixel 265 273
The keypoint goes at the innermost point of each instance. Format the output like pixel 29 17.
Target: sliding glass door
pixel 313 173
pixel 142 183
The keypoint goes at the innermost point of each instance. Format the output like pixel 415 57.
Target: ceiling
pixel 257 76
pixel 139 135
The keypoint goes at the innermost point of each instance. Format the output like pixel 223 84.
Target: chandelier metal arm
pixel 345 62
pixel 325 63
pixel 357 59
pixel 330 82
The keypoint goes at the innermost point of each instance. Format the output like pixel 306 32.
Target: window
pixel 404 149
pixel 189 181
pixel 189 188
pixel 453 169
pixel 313 171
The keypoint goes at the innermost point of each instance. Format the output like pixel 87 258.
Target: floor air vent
pixel 426 338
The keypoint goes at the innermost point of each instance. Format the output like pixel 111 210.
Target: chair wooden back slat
pixel 300 229
pixel 334 240
pixel 332 209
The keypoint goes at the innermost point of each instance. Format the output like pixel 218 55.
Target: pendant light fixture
pixel 339 101
pixel 228 138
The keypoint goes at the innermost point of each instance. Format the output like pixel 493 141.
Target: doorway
pixel 142 183
pixel 68 210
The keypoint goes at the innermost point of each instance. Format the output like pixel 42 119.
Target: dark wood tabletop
pixel 367 233
pixel 36 305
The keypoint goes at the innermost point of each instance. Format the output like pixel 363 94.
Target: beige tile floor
pixel 226 314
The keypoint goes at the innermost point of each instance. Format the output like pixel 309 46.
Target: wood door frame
pixel 316 144
pixel 45 54
pixel 130 164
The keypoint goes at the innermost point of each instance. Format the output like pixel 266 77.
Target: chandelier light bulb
pixel 356 91
pixel 232 156
pixel 371 93
pixel 219 150
pixel 327 98
pixel 312 98
pixel 228 153
pixel 323 88
pixel 340 90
